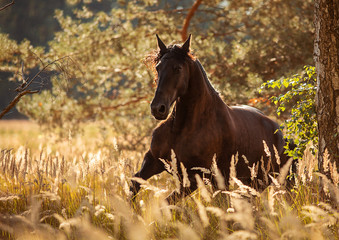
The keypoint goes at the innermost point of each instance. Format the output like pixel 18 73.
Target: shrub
pixel 298 100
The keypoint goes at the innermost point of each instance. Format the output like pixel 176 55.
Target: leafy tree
pixel 301 126
pixel 240 43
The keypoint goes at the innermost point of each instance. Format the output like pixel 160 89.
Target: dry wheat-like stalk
pixel 254 171
pixel 202 213
pixel 270 200
pixel 216 211
pixel 203 190
pixel 311 163
pixel 264 171
pixel 245 160
pixel 166 164
pixel 245 190
pixel 326 161
pixel 186 232
pixel 175 172
pixel 185 182
pixel 329 188
pixel 334 173
pixel 217 174
pixel 284 171
pixel 242 234
pixel 242 214
pixel 233 171
pixel 266 149
pixel 203 170
pixel 276 154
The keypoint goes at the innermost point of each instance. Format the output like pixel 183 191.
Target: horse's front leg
pixel 150 167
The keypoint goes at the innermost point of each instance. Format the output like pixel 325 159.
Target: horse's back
pixel 251 129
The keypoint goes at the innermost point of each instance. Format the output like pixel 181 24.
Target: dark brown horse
pixel 201 125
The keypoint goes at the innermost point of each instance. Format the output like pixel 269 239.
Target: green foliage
pixel 241 44
pixel 302 124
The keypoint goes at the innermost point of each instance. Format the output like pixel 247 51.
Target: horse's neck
pixel 199 89
pixel 199 99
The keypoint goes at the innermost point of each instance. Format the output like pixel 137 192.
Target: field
pixel 78 188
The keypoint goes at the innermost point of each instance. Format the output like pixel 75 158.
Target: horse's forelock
pixel 178 52
pixel 154 57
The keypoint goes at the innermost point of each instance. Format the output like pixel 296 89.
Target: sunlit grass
pixel 78 188
pixel 15 133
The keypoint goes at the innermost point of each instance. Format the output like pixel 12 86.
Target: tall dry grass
pixel 77 194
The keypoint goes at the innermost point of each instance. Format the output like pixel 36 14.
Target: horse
pixel 202 126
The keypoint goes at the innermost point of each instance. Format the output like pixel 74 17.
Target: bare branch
pixel 22 89
pixel 16 100
pixel 25 85
pixel 188 19
pixel 8 5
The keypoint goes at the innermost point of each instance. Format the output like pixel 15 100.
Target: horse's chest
pixel 192 147
pixel 196 149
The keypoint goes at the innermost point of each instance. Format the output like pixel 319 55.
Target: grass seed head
pixel 276 154
pixel 203 190
pixel 233 171
pixel 217 174
pixel 186 182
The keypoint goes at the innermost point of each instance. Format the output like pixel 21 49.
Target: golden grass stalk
pixel 186 182
pixel 217 174
pixel 203 190
pixel 233 172
pixel 284 171
pixel 175 172
pixel 276 154
pixel 81 195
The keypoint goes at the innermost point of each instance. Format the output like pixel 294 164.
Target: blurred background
pixel 102 75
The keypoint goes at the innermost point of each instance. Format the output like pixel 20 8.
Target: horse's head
pixel 173 76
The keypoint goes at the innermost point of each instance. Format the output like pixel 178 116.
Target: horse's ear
pixel 161 45
pixel 186 45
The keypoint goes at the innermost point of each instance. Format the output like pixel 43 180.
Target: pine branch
pixel 8 5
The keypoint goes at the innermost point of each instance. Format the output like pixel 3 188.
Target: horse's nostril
pixel 162 109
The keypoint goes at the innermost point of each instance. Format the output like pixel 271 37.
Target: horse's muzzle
pixel 159 111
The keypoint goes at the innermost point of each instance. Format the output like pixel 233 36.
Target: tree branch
pixel 27 82
pixel 22 89
pixel 16 100
pixel 188 19
pixel 8 5
pixel 136 100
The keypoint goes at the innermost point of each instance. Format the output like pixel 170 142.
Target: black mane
pixel 205 77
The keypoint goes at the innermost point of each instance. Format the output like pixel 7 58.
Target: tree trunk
pixel 326 57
